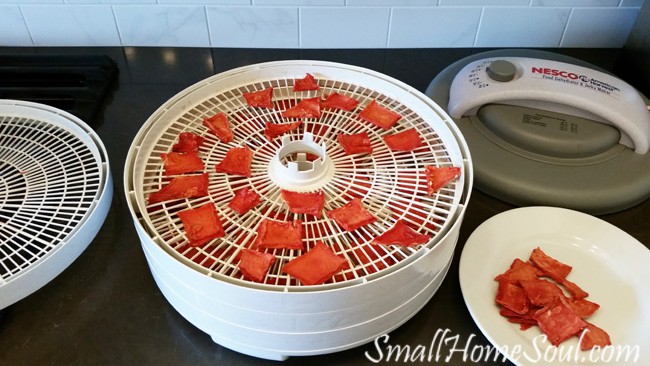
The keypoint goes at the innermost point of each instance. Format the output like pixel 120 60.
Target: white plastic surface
pixel 51 214
pixel 559 87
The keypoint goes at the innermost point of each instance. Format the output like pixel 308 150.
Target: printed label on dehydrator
pixel 579 80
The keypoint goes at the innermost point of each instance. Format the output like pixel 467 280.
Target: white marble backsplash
pixel 318 23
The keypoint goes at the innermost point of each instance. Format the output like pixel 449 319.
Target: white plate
pixel 612 266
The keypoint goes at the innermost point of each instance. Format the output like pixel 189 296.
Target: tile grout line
pixel 207 24
pixel 566 27
pixel 29 32
pixel 299 26
pixel 478 26
pixel 117 26
pixel 389 28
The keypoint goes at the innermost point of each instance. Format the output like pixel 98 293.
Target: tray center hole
pixel 301 164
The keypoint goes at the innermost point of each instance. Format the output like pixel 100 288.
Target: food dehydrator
pixel 382 286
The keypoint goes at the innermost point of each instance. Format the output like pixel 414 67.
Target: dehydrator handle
pixel 554 86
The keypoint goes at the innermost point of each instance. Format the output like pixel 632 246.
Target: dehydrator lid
pixel 571 162
pixel 55 192
pixel 389 183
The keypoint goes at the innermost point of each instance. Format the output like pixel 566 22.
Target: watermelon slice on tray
pixel 306 83
pixel 255 265
pixel 244 200
pixel 179 163
pixel 356 143
pixel 260 99
pixel 438 177
pixel 339 101
pixel 316 266
pixel 379 116
pixel 401 234
pixel 352 215
pixel 274 130
pixel 201 224
pixel 407 140
pixel 184 186
pixel 306 108
pixel 311 203
pixel 236 162
pixel 187 142
pixel 272 234
pixel 219 126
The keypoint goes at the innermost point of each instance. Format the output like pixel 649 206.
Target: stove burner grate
pixel 75 84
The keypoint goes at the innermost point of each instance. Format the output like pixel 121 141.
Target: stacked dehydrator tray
pixel 55 192
pixel 381 287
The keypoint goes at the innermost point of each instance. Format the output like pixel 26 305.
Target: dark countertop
pixel 105 308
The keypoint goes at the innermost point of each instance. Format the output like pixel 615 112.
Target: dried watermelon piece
pixel 236 162
pixel 528 315
pixel 558 321
pixel 401 234
pixel 201 224
pixel 185 186
pixel 306 83
pixel 550 266
pixel 339 101
pixel 356 143
pixel 316 266
pixel 273 234
pixel 408 140
pixel 512 297
pixel 306 108
pixel 219 126
pixel 540 292
pixel 352 215
pixel 311 203
pixel 594 336
pixel 274 130
pixel 582 307
pixel 188 142
pixel 573 289
pixel 438 177
pixel 261 98
pixel 379 116
pixel 519 271
pixel 244 200
pixel 560 317
pixel 255 265
pixel 180 163
pixel 525 321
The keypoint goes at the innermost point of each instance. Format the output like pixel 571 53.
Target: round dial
pixel 501 70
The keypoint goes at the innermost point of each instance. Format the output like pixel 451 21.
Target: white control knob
pixel 554 86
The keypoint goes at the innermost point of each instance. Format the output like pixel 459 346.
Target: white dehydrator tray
pixel 55 192
pixel 383 286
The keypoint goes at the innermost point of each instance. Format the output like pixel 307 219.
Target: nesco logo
pixel 560 73
pixel 573 78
